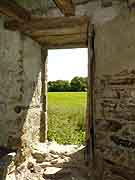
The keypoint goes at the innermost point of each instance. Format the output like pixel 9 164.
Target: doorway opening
pixel 67 95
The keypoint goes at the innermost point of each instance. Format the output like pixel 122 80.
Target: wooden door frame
pixel 90 139
pixel 90 115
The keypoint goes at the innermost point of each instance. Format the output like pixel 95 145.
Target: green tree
pixel 79 84
pixel 58 86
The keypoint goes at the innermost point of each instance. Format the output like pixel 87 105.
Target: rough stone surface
pixel 20 89
pixel 20 105
pixel 66 163
pixel 99 12
pixel 115 102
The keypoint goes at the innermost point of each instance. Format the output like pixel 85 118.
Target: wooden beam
pixel 60 31
pixel 44 116
pixel 11 9
pixel 91 98
pixel 67 46
pixel 47 23
pixel 63 39
pixel 55 32
pixel 38 23
pixel 66 7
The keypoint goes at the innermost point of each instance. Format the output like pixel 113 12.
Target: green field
pixel 67 112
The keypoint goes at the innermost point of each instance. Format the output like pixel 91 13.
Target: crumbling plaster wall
pixel 20 90
pixel 115 96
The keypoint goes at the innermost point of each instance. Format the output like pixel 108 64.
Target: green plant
pixel 66 112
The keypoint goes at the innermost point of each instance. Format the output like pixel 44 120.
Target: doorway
pixel 67 95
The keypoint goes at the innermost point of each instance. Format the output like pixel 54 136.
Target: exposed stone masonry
pixel 20 92
pixel 117 105
pixel 115 98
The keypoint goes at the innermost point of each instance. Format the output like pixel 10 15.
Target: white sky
pixel 64 64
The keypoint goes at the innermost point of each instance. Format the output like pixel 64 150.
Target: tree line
pixel 77 84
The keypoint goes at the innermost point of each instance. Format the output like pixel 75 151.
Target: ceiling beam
pixel 58 32
pixel 66 7
pixel 62 41
pixel 11 9
pixel 47 23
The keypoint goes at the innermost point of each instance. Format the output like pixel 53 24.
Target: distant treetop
pixel 77 84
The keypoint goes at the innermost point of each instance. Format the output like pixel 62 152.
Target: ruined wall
pixel 99 11
pixel 20 89
pixel 115 96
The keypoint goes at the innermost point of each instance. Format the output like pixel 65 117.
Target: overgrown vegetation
pixel 77 84
pixel 66 112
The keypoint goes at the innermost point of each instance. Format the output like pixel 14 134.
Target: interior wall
pixel 20 90
pixel 94 9
pixel 115 97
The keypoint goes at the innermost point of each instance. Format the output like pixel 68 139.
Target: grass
pixel 66 112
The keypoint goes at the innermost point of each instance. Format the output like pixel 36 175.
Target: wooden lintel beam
pixel 11 9
pixel 54 32
pixel 66 7
pixel 60 31
pixel 47 23
pixel 65 40
pixel 66 46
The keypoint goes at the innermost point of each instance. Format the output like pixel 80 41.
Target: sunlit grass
pixel 67 111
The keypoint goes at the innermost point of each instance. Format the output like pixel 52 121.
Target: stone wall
pixel 99 11
pixel 20 90
pixel 115 97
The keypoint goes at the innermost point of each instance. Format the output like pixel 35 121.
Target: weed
pixel 66 112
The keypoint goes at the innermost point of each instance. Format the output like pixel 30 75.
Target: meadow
pixel 67 114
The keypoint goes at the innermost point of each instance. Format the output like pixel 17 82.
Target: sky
pixel 64 64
